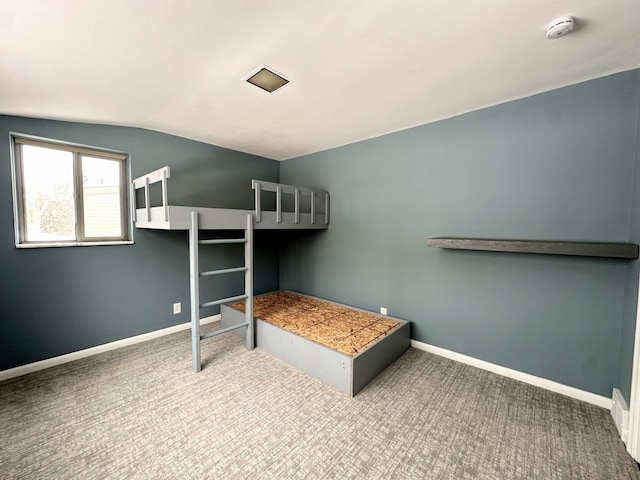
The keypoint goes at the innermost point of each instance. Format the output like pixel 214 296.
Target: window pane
pixel 48 194
pixel 101 197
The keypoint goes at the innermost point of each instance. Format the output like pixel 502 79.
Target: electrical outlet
pixel 177 308
pixel 383 310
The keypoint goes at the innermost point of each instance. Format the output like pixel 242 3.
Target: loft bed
pixel 194 219
pixel 352 369
pixel 173 217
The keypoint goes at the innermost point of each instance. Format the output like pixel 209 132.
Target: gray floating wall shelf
pixel 583 249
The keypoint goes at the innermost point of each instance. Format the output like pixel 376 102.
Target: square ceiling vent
pixel 266 79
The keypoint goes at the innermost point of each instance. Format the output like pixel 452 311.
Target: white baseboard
pixel 69 357
pixel 576 393
pixel 572 392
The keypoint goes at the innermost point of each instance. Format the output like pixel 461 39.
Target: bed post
pixel 195 293
pixel 165 198
pixel 313 207
pixel 326 208
pixel 248 282
pixel 147 202
pixel 278 204
pixel 132 201
pixel 258 207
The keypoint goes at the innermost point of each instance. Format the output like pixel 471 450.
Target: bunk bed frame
pixel 348 373
pixel 194 219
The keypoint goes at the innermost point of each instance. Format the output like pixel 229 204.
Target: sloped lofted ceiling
pixel 359 68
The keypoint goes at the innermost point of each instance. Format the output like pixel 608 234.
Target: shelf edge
pixel 627 251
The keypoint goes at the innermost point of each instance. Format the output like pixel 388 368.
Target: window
pixel 68 195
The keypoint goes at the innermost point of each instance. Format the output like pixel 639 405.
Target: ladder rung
pixel 224 300
pixel 224 330
pixel 226 270
pixel 220 241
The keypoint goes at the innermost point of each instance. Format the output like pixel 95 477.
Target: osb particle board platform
pixel 342 346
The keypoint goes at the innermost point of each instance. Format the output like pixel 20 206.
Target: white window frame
pixel 17 140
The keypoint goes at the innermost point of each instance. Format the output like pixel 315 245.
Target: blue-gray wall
pixel 57 300
pixel 627 331
pixel 558 166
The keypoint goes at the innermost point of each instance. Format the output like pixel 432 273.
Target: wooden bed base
pixel 342 346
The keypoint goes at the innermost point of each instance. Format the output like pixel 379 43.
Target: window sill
pixel 74 244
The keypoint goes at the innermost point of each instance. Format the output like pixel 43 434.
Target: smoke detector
pixel 560 27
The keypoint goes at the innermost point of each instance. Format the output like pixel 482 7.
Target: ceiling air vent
pixel 266 79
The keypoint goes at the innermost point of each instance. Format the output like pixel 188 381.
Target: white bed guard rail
pixel 160 175
pixel 280 188
pixel 164 173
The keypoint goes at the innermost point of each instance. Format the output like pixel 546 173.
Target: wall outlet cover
pixel 383 310
pixel 177 308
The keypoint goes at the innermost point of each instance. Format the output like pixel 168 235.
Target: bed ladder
pixel 195 274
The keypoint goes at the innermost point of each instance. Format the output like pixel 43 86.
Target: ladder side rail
pixel 194 283
pixel 248 286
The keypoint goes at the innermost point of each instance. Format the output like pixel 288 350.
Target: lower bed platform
pixel 342 346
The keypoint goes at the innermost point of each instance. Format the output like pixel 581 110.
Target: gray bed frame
pixel 195 219
pixel 347 374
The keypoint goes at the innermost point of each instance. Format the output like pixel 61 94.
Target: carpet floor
pixel 141 412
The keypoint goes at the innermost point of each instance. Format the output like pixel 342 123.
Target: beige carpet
pixel 141 412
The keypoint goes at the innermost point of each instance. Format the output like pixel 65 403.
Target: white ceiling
pixel 359 68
